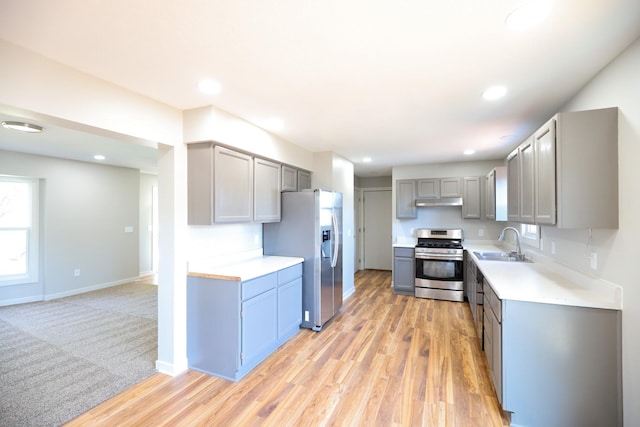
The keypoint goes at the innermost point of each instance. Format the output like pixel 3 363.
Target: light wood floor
pixel 386 360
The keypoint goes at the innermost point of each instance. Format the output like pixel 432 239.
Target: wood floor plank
pixel 385 360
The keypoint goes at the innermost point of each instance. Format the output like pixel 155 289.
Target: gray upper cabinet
pixel 513 186
pixel 295 179
pixel 471 207
pixel 567 173
pixel 451 187
pixel 406 199
pixel 266 193
pixel 433 188
pixel 527 176
pixel 200 184
pixel 490 199
pixel 520 176
pixel 545 173
pixel 428 188
pixel 233 186
pixel 225 185
pixel 289 178
pixel 304 180
pixel 496 194
pixel 220 185
pixel 587 169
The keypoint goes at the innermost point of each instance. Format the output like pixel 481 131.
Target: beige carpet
pixel 60 358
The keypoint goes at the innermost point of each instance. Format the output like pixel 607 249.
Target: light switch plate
pixel 594 261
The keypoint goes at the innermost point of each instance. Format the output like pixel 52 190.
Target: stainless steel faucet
pixel 518 254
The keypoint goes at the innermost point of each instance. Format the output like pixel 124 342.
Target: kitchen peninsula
pixel 240 311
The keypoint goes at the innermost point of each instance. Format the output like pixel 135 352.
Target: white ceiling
pixel 398 81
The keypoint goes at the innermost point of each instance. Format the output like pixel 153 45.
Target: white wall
pixel 443 217
pixel 84 209
pixel 36 87
pixel 147 184
pixel 617 85
pixel 212 124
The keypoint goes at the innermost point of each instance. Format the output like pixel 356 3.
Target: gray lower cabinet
pixel 404 271
pixel 554 365
pixel 233 326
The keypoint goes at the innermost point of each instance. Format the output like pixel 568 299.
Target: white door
pixel 377 229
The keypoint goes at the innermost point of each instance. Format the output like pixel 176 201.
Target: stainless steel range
pixel 439 264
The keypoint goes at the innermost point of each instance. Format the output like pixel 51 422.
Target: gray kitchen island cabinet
pixel 554 365
pixel 234 325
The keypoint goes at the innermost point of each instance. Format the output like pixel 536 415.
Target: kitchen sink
pixel 501 256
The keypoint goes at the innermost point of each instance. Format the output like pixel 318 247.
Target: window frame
pixel 33 233
pixel 530 235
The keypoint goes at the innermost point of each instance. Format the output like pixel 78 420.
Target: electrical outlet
pixel 553 248
pixel 76 272
pixel 594 261
pixel 481 232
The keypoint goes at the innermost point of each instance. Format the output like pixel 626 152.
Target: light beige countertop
pixel 241 269
pixel 545 281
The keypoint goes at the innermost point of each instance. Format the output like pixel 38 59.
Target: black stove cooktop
pixel 439 243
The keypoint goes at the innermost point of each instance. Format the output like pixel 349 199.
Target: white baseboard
pixel 89 288
pixel 23 300
pixel 348 294
pixel 172 369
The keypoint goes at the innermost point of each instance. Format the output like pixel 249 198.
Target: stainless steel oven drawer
pixel 440 284
pixel 442 294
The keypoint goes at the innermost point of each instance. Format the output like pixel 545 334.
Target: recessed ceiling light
pixel 494 92
pixel 99 157
pixel 469 152
pixel 22 127
pixel 366 160
pixel 528 15
pixel 210 87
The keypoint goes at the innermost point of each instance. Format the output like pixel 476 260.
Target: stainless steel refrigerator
pixel 311 227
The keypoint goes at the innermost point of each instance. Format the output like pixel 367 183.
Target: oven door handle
pixel 440 257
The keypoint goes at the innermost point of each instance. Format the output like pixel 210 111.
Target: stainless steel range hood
pixel 443 201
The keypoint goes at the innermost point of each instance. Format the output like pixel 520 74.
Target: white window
pixel 530 235
pixel 18 230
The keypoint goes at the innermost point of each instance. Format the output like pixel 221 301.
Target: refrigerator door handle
pixel 334 220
